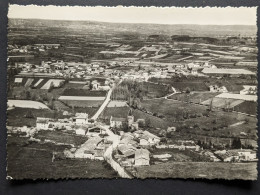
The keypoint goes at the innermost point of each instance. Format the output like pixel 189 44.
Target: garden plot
pixel 18 80
pixel 28 82
pixel 38 82
pixel 222 102
pixel 238 96
pixel 26 104
pixel 116 104
pixel 56 83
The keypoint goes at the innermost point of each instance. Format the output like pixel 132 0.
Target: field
pixel 195 119
pixel 155 90
pixel 83 103
pixel 39 83
pixel 209 170
pixel 247 107
pixel 34 161
pixel 193 86
pixel 17 116
pixel 183 82
pixel 193 97
pixel 82 92
pixel 26 104
pixel 178 156
pixel 222 102
pixel 61 137
pixel 121 112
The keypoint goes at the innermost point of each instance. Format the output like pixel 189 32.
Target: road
pixel 105 103
pixel 103 106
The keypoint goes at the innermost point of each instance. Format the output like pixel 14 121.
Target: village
pixel 131 105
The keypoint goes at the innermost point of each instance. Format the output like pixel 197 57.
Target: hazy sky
pixel 174 15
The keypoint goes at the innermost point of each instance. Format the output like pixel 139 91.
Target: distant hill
pixel 148 29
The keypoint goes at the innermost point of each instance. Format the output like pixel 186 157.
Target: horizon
pixel 130 22
pixel 139 15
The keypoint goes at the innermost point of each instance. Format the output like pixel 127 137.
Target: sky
pixel 120 14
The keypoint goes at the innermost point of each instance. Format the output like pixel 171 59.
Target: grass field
pixel 192 85
pixel 121 112
pixel 216 123
pixel 222 102
pixel 16 117
pixel 155 90
pixel 61 137
pixel 34 161
pixel 83 103
pixel 193 97
pixel 209 170
pixel 247 107
pixel 195 84
pixel 82 92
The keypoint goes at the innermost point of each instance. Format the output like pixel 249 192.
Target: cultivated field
pixel 26 159
pixel 26 104
pixel 207 170
pixel 61 137
pixel 17 116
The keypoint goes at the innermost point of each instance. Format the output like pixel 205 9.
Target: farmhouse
pixel 43 123
pixel 87 150
pixel 249 90
pixel 142 157
pixel 81 119
pixel 117 122
pixel 94 131
pixel 215 88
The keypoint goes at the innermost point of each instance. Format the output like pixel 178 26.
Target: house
pixel 87 150
pixel 142 157
pixel 215 88
pixel 153 139
pixel 95 85
pixel 249 90
pixel 130 120
pixel 135 126
pixel 81 119
pixel 94 131
pixel 117 122
pixel 194 70
pixel 81 131
pixel 42 123
pixel 126 149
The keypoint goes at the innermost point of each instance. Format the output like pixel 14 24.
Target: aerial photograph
pixel 131 92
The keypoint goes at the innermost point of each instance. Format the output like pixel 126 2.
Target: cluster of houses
pixel 132 149
pixel 94 148
pixel 216 88
pixel 31 48
pixel 181 145
pixel 79 124
pixel 236 155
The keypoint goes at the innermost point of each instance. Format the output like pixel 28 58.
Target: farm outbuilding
pixel 142 157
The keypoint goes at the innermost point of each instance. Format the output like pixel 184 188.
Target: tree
pixel 211 104
pixel 236 144
pixel 148 122
pixel 187 90
pixel 27 95
pixel 51 87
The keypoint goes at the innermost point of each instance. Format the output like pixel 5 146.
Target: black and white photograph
pixel 131 92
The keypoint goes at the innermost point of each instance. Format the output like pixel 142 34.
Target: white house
pixel 142 157
pixel 81 119
pixel 42 123
pixel 117 122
